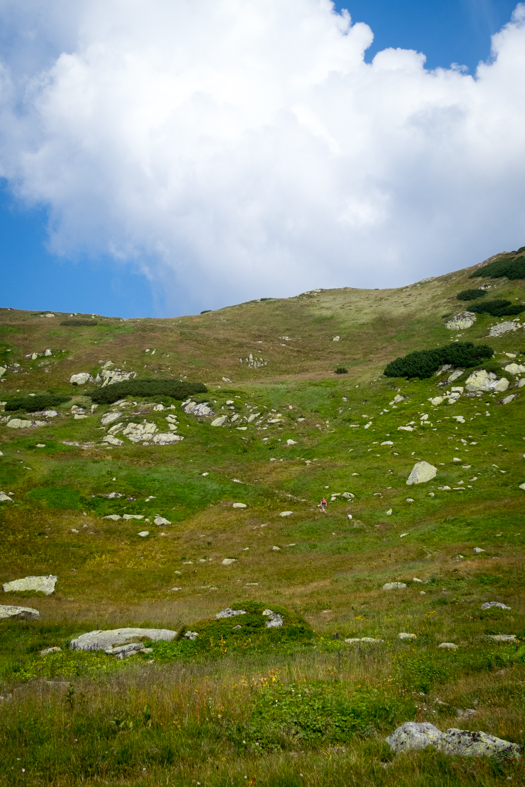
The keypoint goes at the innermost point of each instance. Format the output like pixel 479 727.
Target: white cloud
pixel 241 148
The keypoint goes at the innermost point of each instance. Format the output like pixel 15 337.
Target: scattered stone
pixel 501 385
pixel 276 620
pixel 387 442
pixel 110 417
pixel 45 585
pixel 230 613
pixel 166 438
pixel 370 640
pixel 291 442
pixel 143 533
pixel 201 410
pixel 502 637
pixel 133 516
pixel 522 486
pixel 6 499
pixel 448 646
pixel 102 640
pixel 18 613
pixel 405 428
pixel 239 505
pixel 404 635
pixel 276 549
pixel 220 421
pixel 478 550
pixel 389 512
pixel 110 440
pixel 504 327
pixel 508 399
pixel 461 321
pixel 228 561
pixel 413 736
pixel 160 520
pixel 191 635
pixel 436 400
pixel 114 517
pixel 125 651
pixel 336 339
pixel 492 604
pixel 455 375
pixel 394 585
pixel 22 423
pixel 286 513
pixel 398 398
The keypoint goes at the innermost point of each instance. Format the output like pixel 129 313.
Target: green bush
pixel 78 322
pixel 33 403
pixel 511 268
pixel 341 370
pixel 176 389
pixel 470 295
pixel 497 308
pixel 423 363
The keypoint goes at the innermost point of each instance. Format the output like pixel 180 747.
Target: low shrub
pixel 423 363
pixel 78 323
pixel 33 403
pixel 241 632
pixel 511 268
pixel 341 370
pixel 470 295
pixel 497 308
pixel 176 389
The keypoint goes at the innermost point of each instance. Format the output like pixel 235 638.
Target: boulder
pixel 108 418
pixel 18 613
pixel 81 378
pixel 448 646
pixel 508 399
pixel 436 400
pixel 501 385
pixel 461 321
pixel 515 368
pixel 464 743
pixel 481 381
pixel 230 613
pixel 504 327
pixel 239 505
pixel 202 410
pixel 405 428
pixel 228 561
pixel 22 423
pixel 5 498
pixel 494 604
pixel 44 585
pixel 220 421
pixel 394 585
pixel 102 640
pixel 421 473
pixel 160 520
pixel 413 736
pixel 166 438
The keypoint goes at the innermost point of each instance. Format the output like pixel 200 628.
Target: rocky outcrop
pixel 504 327
pixel 22 423
pixel 421 473
pixel 486 381
pixel 103 640
pixel 45 585
pixel 461 321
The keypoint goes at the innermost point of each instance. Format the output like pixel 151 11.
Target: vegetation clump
pixel 423 363
pixel 78 323
pixel 470 295
pixel 341 370
pixel 31 404
pixel 176 389
pixel 497 308
pixel 511 268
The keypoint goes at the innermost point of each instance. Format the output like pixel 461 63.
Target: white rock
pixel 413 736
pixel 239 505
pixel 455 375
pixel 405 428
pixel 103 640
pixel 112 440
pixel 508 399
pixel 502 637
pixel 276 620
pixel 44 585
pixel 18 613
pixel 276 549
pixel 436 400
pixel 503 327
pixel 478 550
pixel 228 561
pixel 448 646
pixel 160 520
pixel 114 517
pixel 166 438
pixel 191 635
pixel 230 613
pixel 6 499
pixel 138 432
pixel 501 385
pixel 47 651
pixel 143 533
pixel 522 486
pixel 3 370
pixel 464 743
pixel 81 378
pixel 421 473
pixel 286 513
pixel 491 604
pixel 108 418
pixel 481 381
pixel 291 442
pixel 387 442
pixel 521 382
pixel 404 635
pixel 389 512
pixel 515 368
pixel 461 321
pixel 220 421
pixel 133 516
pixel 336 339
pixel 21 423
pixel 398 398
pixel 108 376
pixel 394 585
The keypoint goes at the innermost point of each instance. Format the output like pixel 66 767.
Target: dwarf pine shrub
pixel 33 403
pixel 423 363
pixel 470 295
pixel 497 308
pixel 176 389
pixel 341 370
pixel 511 268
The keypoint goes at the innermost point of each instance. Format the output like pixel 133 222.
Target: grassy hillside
pixel 293 431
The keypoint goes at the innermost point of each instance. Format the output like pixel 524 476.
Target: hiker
pixel 323 504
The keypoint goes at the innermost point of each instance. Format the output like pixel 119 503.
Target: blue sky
pixel 34 277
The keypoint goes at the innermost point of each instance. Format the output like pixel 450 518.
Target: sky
pixel 162 158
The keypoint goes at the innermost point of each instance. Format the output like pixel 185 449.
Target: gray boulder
pixel 276 620
pixel 44 585
pixel 81 378
pixel 103 640
pixel 491 604
pixel 476 744
pixel 504 327
pixel 18 613
pixel 413 736
pixel 394 585
pixel 230 613
pixel 421 473
pixel 461 321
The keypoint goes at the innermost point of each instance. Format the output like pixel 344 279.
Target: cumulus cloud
pixel 240 148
